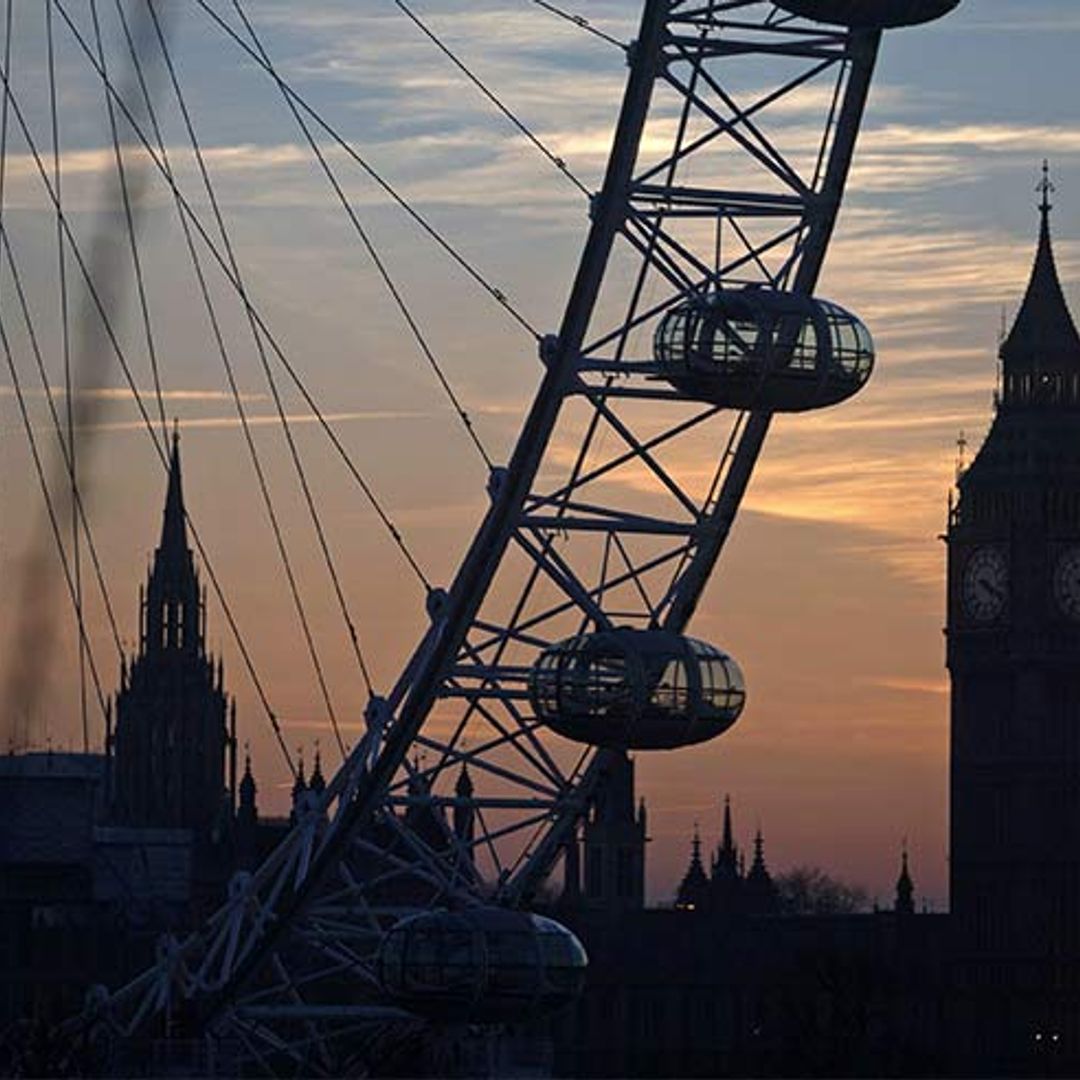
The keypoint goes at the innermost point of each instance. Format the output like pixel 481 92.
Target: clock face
pixel 1067 583
pixel 985 586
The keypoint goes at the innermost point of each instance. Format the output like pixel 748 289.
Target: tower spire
pixel 175 733
pixel 173 597
pixel 693 892
pixel 1041 354
pixel 317 783
pixel 905 888
pixel 173 525
pixel 1046 189
pixel 761 897
pixel 727 844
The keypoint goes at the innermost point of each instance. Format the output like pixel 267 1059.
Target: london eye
pixel 406 888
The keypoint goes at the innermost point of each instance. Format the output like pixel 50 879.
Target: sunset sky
pixel 831 590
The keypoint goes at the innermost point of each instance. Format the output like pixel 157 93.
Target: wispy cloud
pixel 199 423
pixel 125 394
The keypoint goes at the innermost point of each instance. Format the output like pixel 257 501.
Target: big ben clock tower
pixel 1014 657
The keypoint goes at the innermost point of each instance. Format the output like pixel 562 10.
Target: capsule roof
pixel 870 14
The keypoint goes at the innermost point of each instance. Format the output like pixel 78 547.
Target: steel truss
pixel 730 158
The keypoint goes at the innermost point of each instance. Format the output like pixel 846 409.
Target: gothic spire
pixel 694 889
pixel 317 782
pixel 465 812
pixel 300 783
pixel 905 888
pixel 727 844
pixel 726 864
pixel 173 599
pixel 761 897
pixel 173 549
pixel 464 786
pixel 248 788
pixel 1043 338
pixel 758 865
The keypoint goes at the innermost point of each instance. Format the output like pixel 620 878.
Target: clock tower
pixel 1014 658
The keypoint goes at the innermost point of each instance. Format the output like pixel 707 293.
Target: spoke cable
pixel 65 332
pixel 365 237
pixel 495 293
pixel 216 329
pixel 559 163
pixel 54 524
pixel 99 307
pixel 581 22
pixel 276 348
pixel 264 488
pixel 20 680
pixel 65 448
pixel 132 232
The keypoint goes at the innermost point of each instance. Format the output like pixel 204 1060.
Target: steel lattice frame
pixel 604 516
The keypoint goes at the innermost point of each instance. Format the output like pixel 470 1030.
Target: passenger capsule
pixel 766 350
pixel 481 965
pixel 870 13
pixel 636 689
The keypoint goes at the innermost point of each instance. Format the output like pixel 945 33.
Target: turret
pixel 759 890
pixel 905 888
pixel 299 788
pixel 615 839
pixel 247 811
pixel 693 893
pixel 173 619
pixel 317 784
pixel 726 862
pixel 725 888
pixel 247 819
pixel 464 811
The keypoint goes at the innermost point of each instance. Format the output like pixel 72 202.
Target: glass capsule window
pixel 443 959
pixel 723 687
pixel 795 343
pixel 671 686
pixel 593 681
pixel 672 336
pixel 852 345
pixel 735 342
pixel 562 956
pixel 513 963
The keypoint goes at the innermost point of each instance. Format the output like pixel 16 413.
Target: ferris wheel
pixel 404 889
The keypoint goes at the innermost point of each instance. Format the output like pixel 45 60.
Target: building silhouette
pixel 614 838
pixel 716 988
pixel 1013 652
pixel 729 890
pixel 111 850
pixel 171 758
pixel 103 853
